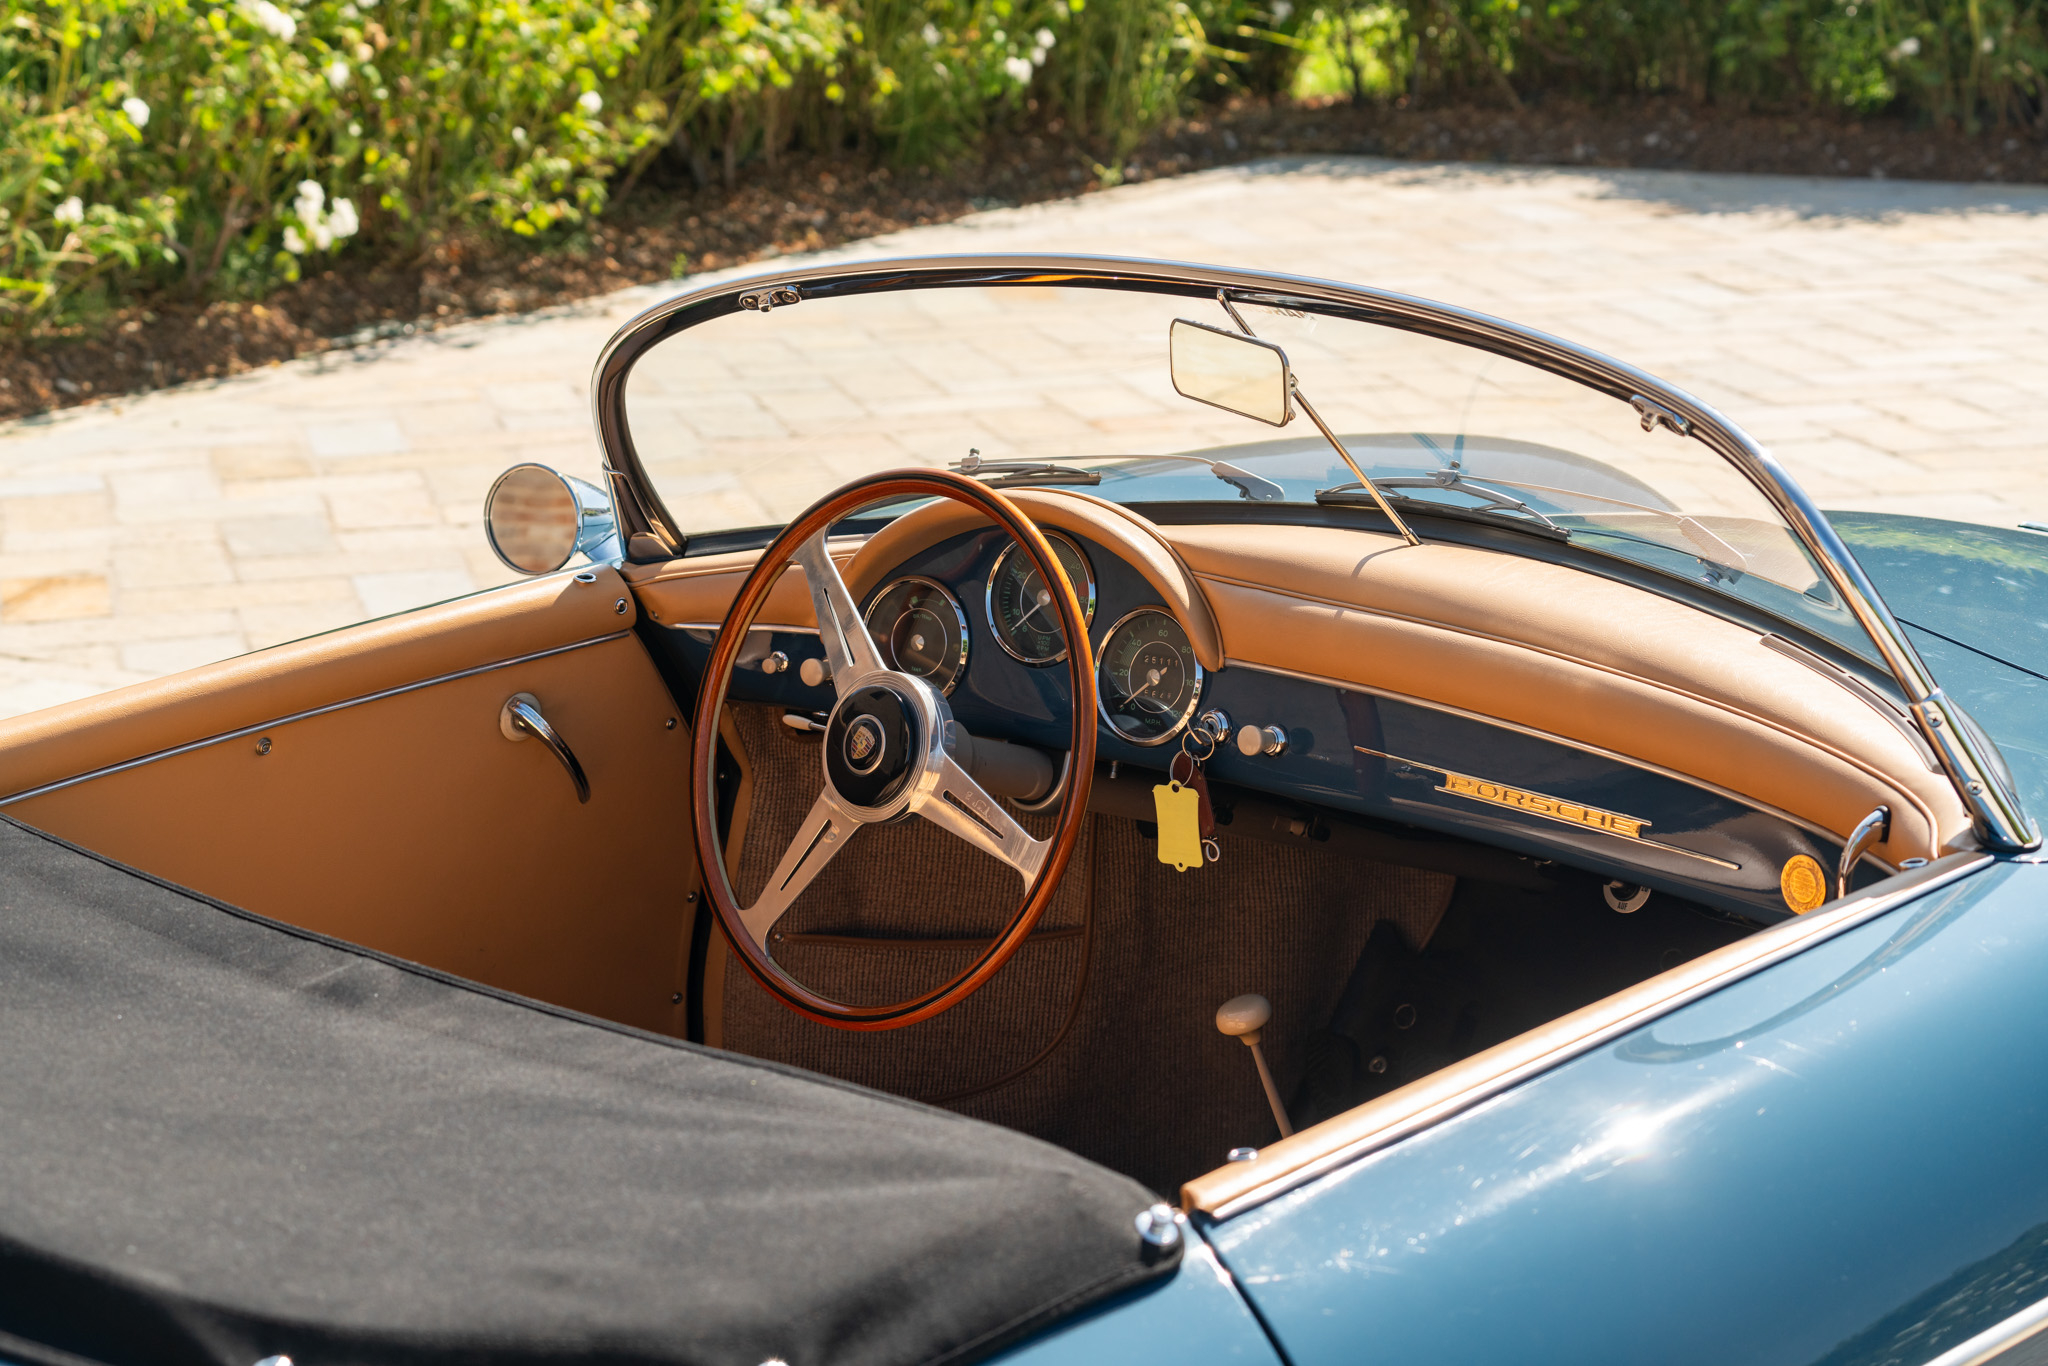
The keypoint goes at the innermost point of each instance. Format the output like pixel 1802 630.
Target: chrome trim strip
pixel 1998 1339
pixel 244 731
pixel 1797 935
pixel 1964 752
pixel 1447 709
pixel 716 626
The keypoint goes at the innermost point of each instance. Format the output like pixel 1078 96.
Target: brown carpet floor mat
pixel 1138 955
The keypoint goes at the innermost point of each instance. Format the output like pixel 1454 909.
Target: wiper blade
pixel 1357 495
pixel 1491 499
pixel 1011 473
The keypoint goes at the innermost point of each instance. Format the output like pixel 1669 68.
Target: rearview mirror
pixel 537 519
pixel 1231 371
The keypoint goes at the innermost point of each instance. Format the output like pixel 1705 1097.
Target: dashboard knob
pixel 775 663
pixel 814 672
pixel 1252 741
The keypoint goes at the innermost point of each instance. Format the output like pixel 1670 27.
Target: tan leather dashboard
pixel 698 591
pixel 1539 646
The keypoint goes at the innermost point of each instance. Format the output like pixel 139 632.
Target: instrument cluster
pixel 1148 681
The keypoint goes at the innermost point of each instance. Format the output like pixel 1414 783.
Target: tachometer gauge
pixel 1021 610
pixel 1148 682
pixel 921 631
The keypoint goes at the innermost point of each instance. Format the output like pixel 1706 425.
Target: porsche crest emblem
pixel 861 742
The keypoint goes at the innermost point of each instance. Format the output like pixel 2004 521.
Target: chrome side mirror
pixel 1231 371
pixel 537 519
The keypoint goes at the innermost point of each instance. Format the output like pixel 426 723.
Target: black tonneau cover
pixel 222 1139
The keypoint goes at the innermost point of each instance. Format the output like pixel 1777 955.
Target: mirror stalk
pixel 1294 393
pixel 1363 482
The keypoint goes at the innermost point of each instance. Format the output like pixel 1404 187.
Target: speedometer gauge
pixel 1148 682
pixel 1021 610
pixel 921 631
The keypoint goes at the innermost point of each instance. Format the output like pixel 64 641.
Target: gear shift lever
pixel 1243 1017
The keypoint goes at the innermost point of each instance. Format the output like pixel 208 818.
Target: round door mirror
pixel 533 518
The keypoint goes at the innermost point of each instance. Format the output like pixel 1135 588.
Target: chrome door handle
pixel 521 717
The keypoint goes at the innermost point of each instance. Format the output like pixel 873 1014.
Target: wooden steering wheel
pixel 885 754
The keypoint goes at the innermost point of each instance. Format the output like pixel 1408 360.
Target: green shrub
pixel 1961 61
pixel 212 147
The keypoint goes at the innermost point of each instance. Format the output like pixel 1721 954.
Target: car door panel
pixel 360 785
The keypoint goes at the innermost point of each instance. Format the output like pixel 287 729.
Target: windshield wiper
pixel 1455 482
pixel 1012 473
pixel 1357 495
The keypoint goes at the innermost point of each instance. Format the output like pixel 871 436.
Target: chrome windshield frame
pixel 650 533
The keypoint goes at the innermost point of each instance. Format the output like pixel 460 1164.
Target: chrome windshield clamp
pixel 1655 415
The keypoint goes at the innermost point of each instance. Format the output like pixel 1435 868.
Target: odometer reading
pixel 921 631
pixel 1148 682
pixel 1021 610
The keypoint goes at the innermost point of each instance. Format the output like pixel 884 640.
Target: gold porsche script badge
pixel 1802 883
pixel 1535 803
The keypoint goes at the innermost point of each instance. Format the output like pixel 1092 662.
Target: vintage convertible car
pixel 1078 810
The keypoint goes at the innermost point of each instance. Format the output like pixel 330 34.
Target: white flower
pixel 931 35
pixel 355 129
pixel 1281 9
pixel 270 19
pixel 519 136
pixel 1043 39
pixel 323 236
pixel 1019 69
pixel 1987 44
pixel 136 110
pixel 1910 47
pixel 337 73
pixel 343 218
pixel 1038 56
pixel 590 102
pixel 311 197
pixel 71 210
pixel 294 243
pixel 350 12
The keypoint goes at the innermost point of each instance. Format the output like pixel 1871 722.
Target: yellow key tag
pixel 1180 825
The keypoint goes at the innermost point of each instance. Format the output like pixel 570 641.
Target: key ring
pixel 1191 734
pixel 1211 850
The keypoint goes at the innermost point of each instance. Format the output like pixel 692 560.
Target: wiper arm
pixel 1011 473
pixel 1358 495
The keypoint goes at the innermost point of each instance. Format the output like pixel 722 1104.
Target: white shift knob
pixel 1242 1015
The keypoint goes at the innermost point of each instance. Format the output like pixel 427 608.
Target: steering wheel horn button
pixel 869 744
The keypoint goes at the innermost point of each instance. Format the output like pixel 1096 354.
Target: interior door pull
pixel 521 717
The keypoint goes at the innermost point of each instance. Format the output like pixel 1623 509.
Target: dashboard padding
pixel 1572 655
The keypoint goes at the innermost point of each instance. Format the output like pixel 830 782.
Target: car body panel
pixel 1811 1164
pixel 1974 602
pixel 1197 1316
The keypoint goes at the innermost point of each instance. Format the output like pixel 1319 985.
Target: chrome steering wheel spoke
pixel 849 649
pixel 954 802
pixel 824 832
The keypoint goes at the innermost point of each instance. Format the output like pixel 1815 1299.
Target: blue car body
pixel 1838 1160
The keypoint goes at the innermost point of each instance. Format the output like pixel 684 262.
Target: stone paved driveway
pixel 1889 340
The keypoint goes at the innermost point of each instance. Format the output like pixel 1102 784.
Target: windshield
pixel 745 420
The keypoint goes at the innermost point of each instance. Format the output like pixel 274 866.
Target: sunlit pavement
pixel 1889 340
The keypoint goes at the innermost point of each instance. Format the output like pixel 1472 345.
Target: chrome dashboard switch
pixel 1252 741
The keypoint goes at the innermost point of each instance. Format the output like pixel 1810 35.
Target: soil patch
pixel 663 230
